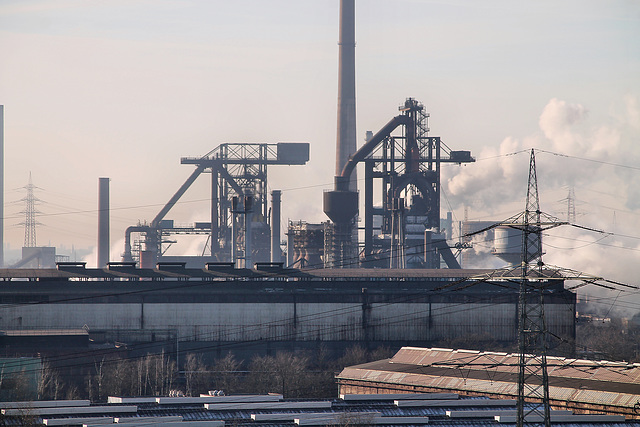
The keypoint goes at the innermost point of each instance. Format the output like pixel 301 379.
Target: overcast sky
pixel 123 89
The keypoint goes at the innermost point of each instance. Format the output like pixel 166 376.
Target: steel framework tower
pixel 533 380
pixel 571 206
pixel 533 407
pixel 30 215
pixel 408 164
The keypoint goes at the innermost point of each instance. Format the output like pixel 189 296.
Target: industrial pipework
pixel 341 205
pixel 409 165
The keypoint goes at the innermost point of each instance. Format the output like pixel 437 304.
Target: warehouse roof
pixel 583 382
pixel 274 411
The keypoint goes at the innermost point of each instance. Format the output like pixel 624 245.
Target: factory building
pixel 269 308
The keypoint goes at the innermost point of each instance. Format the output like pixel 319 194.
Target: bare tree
pixel 21 390
pixel 115 374
pixel 292 372
pixel 285 373
pixel 49 382
pixel 226 373
pixel 610 340
pixel 195 373
pixel 164 373
pixel 353 356
pixel 99 379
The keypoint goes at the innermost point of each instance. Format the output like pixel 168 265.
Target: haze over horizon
pixel 123 89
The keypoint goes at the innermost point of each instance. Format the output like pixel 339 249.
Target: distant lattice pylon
pixel 571 207
pixel 30 212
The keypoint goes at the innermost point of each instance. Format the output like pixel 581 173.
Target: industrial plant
pixel 383 269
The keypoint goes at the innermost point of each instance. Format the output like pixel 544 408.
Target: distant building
pixel 270 308
pixel 38 257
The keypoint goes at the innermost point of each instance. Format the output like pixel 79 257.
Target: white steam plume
pixel 595 156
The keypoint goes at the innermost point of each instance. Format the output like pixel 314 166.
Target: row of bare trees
pixel 152 375
pixel 293 374
pixel 611 340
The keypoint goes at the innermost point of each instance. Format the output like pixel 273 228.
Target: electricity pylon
pixel 30 212
pixel 533 380
pixel 533 406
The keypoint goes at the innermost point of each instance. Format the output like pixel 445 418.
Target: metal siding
pixel 320 316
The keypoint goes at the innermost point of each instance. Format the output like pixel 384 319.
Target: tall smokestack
pixel 276 253
pixel 103 222
pixel 1 185
pixel 346 139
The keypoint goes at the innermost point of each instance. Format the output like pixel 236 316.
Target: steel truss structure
pixel 406 162
pixel 238 170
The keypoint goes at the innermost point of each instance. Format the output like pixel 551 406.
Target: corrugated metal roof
pixel 239 415
pixel 588 382
pixel 565 368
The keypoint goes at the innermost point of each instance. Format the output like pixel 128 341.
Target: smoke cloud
pixel 595 156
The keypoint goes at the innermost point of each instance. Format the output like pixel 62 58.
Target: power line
pixel 589 160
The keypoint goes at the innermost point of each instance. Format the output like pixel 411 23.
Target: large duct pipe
pixel 127 256
pixel 276 254
pixel 346 138
pixel 103 222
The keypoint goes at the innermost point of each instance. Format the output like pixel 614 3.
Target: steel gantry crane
pixel 238 175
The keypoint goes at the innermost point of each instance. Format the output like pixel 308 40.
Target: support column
pixel 215 246
pixel 368 211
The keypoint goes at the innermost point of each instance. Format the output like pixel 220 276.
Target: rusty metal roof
pixel 596 382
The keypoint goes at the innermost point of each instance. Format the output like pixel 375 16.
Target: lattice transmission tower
pixel 533 406
pixel 533 382
pixel 30 212
pixel 571 206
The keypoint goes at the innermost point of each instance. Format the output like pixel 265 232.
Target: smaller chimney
pixel 276 253
pixel 103 222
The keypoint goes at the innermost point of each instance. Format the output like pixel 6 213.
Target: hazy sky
pixel 123 89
